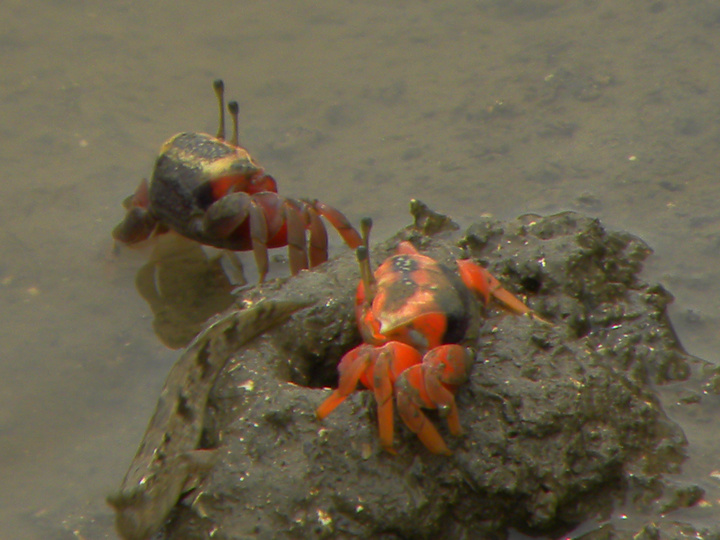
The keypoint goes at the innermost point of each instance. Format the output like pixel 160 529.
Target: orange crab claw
pixel 377 369
pixel 444 369
pixel 351 368
pixel 431 385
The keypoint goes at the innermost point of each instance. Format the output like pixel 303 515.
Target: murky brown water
pixel 507 106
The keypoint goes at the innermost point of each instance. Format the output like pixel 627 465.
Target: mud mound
pixel 559 419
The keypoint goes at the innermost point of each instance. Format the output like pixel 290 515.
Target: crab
pixel 412 314
pixel 209 189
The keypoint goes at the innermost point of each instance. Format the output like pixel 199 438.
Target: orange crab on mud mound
pixel 412 313
pixel 210 190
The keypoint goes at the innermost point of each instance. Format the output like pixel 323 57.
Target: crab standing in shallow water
pixel 210 190
pixel 412 312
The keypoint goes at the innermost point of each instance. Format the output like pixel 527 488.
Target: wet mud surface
pixel 485 106
pixel 562 422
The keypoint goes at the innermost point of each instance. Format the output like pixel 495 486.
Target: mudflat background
pixel 493 107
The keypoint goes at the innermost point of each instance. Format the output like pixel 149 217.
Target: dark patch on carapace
pixel 201 146
pixel 455 303
pixel 402 287
pixel 398 293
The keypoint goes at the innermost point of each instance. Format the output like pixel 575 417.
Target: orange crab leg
pixel 383 390
pixel 393 358
pixel 338 220
pixel 318 237
pixel 229 214
pixel 259 236
pixel 478 279
pixel 351 368
pixel 408 389
pixel 297 248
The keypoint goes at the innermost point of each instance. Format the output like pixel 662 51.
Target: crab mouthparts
pixel 405 334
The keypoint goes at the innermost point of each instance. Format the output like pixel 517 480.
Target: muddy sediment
pixel 561 421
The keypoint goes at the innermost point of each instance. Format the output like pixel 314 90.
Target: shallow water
pixel 504 107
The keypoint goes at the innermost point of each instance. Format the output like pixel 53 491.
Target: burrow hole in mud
pixel 531 284
pixel 320 371
pixel 318 376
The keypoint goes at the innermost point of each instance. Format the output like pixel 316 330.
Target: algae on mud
pixel 560 421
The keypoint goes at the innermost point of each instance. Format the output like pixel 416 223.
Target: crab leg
pixel 394 358
pixel 338 220
pixel 259 236
pixel 383 389
pixel 297 244
pixel 478 279
pixel 352 366
pixel 318 237
pixel 377 369
pixel 228 213
pixel 408 390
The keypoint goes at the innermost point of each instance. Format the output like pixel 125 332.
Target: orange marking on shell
pixel 432 326
pixel 224 185
pixel 406 248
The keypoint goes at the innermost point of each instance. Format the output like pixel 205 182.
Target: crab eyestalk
pixel 363 257
pixel 234 111
pixel 365 226
pixel 219 87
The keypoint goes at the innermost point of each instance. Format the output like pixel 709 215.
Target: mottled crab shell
pixel 193 171
pixel 418 301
